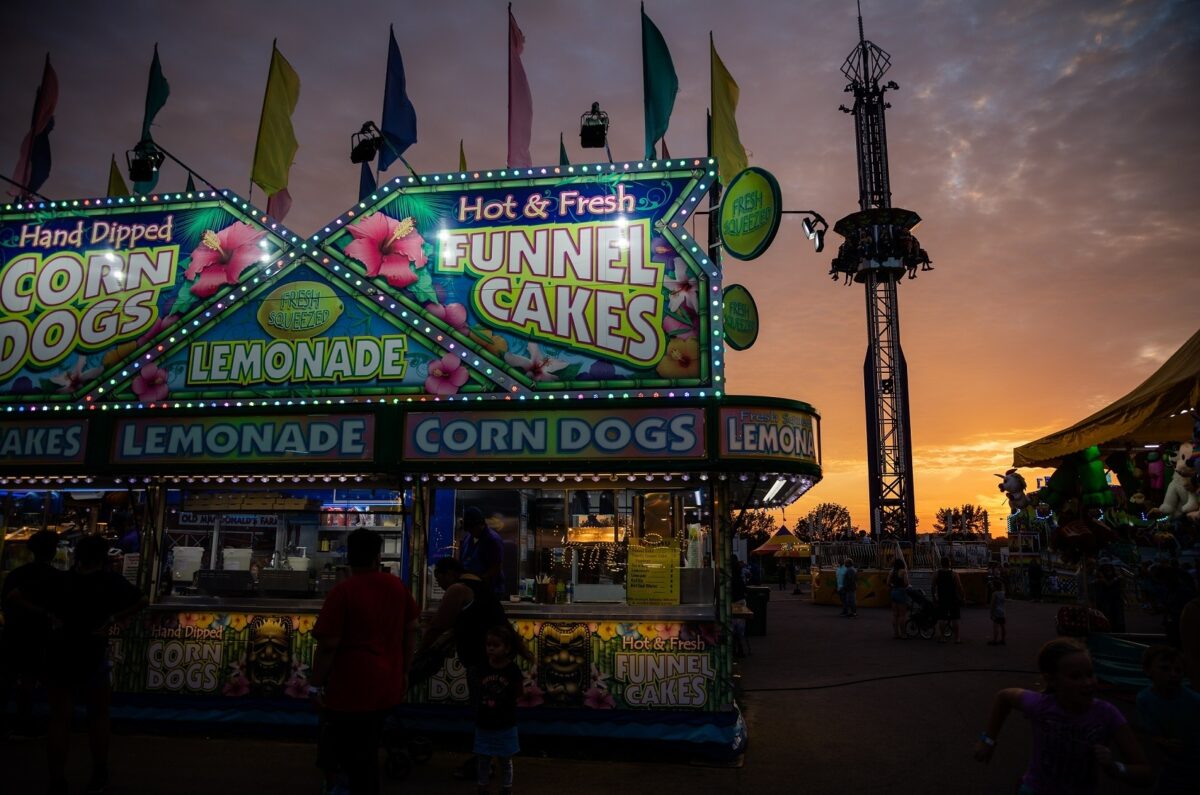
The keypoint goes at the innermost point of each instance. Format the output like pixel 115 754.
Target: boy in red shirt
pixel 365 639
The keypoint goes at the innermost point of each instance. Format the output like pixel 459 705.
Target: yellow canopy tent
pixel 782 544
pixel 1156 412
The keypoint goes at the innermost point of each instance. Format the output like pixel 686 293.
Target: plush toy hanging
pixel 1180 500
pixel 1093 485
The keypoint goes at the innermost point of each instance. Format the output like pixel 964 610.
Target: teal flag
pixel 563 160
pixel 157 91
pixel 659 83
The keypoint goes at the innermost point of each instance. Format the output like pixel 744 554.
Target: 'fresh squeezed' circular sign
pixel 741 317
pixel 750 213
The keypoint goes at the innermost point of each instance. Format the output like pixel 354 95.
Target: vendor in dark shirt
pixel 482 551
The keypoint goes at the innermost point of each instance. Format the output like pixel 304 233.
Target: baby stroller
pixel 922 615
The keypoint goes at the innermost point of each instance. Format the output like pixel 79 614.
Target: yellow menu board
pixel 653 575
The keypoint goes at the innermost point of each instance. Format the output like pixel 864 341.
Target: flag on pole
pixel 276 144
pixel 33 165
pixel 726 145
pixel 520 103
pixel 157 91
pixel 399 125
pixel 462 156
pixel 191 184
pixel 366 182
pixel 562 152
pixel 116 183
pixel 659 83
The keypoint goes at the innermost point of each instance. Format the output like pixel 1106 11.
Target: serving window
pixel 277 542
pixel 578 544
pixel 117 514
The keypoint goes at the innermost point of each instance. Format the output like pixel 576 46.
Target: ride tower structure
pixel 878 251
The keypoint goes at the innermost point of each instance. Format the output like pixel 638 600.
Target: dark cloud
pixel 1050 147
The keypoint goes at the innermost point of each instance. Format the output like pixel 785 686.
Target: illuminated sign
pixel 546 280
pixel 43 442
pixel 300 310
pixel 741 317
pixel 750 212
pixel 527 435
pixel 245 439
pixel 85 290
pixel 764 432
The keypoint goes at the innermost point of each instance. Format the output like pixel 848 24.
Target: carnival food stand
pixel 546 344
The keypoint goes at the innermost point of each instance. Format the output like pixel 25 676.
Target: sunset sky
pixel 1050 146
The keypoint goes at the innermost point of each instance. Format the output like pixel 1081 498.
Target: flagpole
pixel 30 191
pixel 714 195
pixel 508 60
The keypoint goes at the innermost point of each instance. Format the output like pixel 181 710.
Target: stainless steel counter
pixel 239 604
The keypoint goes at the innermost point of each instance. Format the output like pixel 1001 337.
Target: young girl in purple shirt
pixel 1073 732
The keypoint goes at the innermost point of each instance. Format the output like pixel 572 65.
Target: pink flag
pixel 520 103
pixel 33 165
pixel 278 204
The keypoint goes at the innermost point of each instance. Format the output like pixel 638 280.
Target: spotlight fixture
pixel 143 161
pixel 593 128
pixel 815 228
pixel 365 143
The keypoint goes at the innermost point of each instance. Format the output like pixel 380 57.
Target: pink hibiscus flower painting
pixel 222 256
pixel 388 248
pixel 678 328
pixel 71 381
pixel 453 315
pixel 446 375
pixel 538 366
pixel 682 288
pixel 150 385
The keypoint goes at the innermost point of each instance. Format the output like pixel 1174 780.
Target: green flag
pixel 116 183
pixel 157 91
pixel 726 145
pixel 276 144
pixel 659 83
pixel 563 160
pixel 462 156
pixel 191 184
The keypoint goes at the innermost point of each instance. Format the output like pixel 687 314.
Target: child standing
pixel 1170 714
pixel 495 686
pixel 1072 730
pixel 999 622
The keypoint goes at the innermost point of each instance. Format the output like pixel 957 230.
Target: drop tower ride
pixel 878 251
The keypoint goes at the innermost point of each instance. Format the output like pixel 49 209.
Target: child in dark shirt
pixel 495 687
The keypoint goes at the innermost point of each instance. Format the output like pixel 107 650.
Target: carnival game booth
pixel 547 343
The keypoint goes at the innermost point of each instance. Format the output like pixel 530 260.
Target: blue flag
pixel 366 182
pixel 399 117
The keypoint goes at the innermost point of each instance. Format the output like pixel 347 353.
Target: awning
pixel 1155 412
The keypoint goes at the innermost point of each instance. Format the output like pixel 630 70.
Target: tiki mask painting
pixel 269 661
pixel 564 662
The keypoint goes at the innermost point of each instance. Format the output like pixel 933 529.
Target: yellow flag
pixel 116 183
pixel 462 156
pixel 276 145
pixel 726 145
